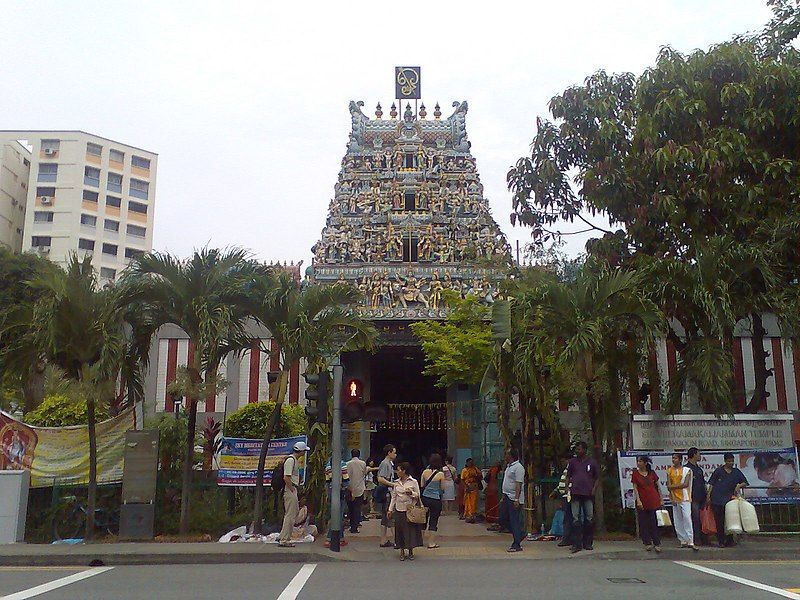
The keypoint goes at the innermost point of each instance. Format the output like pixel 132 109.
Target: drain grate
pixel 624 580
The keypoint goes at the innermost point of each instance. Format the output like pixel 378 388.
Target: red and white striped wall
pixel 253 369
pixel 782 359
pixel 172 354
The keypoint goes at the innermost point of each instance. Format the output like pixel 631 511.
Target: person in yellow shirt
pixel 471 476
pixel 679 483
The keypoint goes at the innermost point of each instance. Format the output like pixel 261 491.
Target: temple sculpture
pixel 408 219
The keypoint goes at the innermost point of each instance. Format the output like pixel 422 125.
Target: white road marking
pixel 54 585
pixel 299 580
pixel 743 581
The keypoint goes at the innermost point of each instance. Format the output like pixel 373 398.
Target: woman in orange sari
pixel 471 477
pixel 492 497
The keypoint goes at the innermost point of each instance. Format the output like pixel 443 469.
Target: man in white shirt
pixel 357 485
pixel 291 481
pixel 514 499
pixel 679 484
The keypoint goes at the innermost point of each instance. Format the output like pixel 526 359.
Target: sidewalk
pixel 458 540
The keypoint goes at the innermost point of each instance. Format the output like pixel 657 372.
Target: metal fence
pixel 778 509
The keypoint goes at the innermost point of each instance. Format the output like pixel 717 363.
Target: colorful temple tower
pixel 408 221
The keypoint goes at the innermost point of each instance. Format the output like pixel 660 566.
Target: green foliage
pixel 251 421
pixel 457 350
pixel 62 411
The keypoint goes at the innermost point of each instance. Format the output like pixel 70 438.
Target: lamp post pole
pixel 336 458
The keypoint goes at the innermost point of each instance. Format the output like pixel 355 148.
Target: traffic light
pixel 317 396
pixel 353 401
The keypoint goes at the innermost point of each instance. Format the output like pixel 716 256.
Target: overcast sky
pixel 246 102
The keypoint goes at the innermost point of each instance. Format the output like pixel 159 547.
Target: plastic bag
pixel 733 519
pixel 707 522
pixel 747 512
pixel 662 518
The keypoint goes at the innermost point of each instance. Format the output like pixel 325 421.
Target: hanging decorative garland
pixel 417 417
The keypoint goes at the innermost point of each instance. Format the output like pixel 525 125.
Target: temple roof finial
pixel 437 112
pixel 393 111
pixel 422 112
pixel 378 111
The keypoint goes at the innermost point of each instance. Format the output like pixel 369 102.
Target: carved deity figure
pixel 436 289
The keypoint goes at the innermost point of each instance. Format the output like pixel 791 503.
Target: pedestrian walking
pixel 562 492
pixel 432 492
pixel 698 494
pixel 583 477
pixel 471 476
pixel 291 482
pixel 356 486
pixel 513 499
pixel 723 485
pixel 647 493
pixel 449 485
pixel 386 481
pixel 679 484
pixel 405 493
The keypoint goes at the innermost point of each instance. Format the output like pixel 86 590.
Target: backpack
pixel 278 482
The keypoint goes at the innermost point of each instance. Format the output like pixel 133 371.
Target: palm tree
pixel 205 296
pixel 80 329
pixel 312 323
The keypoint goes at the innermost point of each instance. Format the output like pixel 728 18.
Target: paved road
pixel 592 579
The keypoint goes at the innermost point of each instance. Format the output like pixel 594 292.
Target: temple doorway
pixel 417 409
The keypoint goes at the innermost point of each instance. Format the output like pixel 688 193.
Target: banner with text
pixel 60 455
pixel 238 460
pixel 708 432
pixel 772 473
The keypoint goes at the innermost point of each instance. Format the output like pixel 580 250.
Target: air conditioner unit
pixel 50 151
pixel 43 249
pixel 47 200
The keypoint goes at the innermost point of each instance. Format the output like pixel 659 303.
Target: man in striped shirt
pixel 562 493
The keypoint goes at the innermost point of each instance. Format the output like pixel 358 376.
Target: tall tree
pixel 205 296
pixel 699 146
pixel 313 323
pixel 80 329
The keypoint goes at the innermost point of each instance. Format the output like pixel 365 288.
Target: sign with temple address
pixel 708 432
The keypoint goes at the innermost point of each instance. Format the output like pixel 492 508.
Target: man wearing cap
pixel 291 479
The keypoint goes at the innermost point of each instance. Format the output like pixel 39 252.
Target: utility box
pixel 13 505
pixel 139 477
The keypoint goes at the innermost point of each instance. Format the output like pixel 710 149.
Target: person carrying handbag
pixel 648 500
pixel 405 494
pixel 432 492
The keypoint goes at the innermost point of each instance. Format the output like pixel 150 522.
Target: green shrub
pixel 62 411
pixel 251 421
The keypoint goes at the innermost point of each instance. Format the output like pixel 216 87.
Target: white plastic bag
pixel 662 518
pixel 733 519
pixel 747 512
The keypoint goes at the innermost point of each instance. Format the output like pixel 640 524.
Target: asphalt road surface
pixel 418 580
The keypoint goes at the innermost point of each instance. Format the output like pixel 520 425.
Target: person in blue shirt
pixel 723 485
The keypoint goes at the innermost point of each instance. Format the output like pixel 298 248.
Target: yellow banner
pixel 60 455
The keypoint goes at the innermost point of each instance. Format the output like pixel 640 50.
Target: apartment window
pixel 110 249
pixel 90 196
pixel 137 207
pixel 41 240
pixel 48 172
pixel 133 253
pixel 139 188
pixel 110 225
pixel 42 217
pixel 137 231
pixel 116 156
pixel 91 176
pixel 114 182
pixel 50 146
pixel 107 273
pixel 113 201
pixel 94 149
pixel 142 163
pixel 89 220
pixel 84 244
pixel 45 191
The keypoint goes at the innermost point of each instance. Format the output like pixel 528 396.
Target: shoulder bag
pixel 418 513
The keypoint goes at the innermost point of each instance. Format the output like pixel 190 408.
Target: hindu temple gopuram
pixel 408 221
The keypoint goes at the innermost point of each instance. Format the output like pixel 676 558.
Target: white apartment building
pixel 15 167
pixel 88 194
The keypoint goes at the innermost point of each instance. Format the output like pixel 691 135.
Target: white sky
pixel 246 102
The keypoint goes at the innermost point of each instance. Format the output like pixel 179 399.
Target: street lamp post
pixel 336 458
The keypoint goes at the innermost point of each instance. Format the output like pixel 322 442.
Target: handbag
pixel 662 518
pixel 707 522
pixel 417 513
